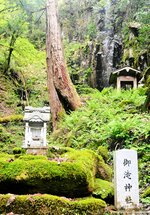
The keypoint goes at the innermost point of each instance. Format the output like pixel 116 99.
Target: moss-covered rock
pixel 103 189
pixel 55 151
pixel 92 161
pixel 44 176
pixel 71 174
pixel 47 204
pixel 103 151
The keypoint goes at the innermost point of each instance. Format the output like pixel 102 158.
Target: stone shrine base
pixel 131 212
pixel 37 151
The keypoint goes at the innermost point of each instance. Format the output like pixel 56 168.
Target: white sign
pixel 126 179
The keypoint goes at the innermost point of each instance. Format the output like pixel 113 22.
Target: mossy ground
pixel 47 204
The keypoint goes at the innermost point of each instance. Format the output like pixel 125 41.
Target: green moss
pixel 103 189
pixel 57 150
pixel 92 162
pixel 44 176
pixel 11 118
pixel 47 204
pixel 5 159
pixel 103 151
pixel 70 174
pixel 5 156
pixel 29 157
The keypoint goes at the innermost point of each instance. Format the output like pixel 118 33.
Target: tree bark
pixel 62 94
pixel 11 48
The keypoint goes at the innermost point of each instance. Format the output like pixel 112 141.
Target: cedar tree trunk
pixel 62 94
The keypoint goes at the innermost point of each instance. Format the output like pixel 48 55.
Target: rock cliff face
pixel 111 36
pixel 115 49
pixel 107 48
pixel 108 51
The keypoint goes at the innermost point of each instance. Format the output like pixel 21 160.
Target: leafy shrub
pixel 112 119
pixel 108 118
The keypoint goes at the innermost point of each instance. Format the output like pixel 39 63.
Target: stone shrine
pixel 125 78
pixel 126 179
pixel 36 120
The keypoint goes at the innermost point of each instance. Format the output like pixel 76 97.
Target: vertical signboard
pixel 126 179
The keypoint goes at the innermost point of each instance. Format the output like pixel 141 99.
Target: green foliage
pixel 143 38
pixel 139 45
pixel 146 192
pixel 117 125
pixel 146 201
pixel 11 135
pixel 145 197
pixel 112 119
pixel 76 54
pixel 26 54
pixel 20 61
pixel 91 30
pixel 47 204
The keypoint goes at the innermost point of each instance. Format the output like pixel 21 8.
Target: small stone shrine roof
pixel 37 114
pixel 125 71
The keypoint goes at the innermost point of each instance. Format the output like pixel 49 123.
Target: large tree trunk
pixel 62 94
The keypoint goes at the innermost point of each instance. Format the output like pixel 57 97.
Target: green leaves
pixel 26 54
pixel 110 118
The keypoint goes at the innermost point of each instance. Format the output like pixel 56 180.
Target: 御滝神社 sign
pixel 126 179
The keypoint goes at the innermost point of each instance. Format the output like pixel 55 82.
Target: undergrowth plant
pixel 113 119
pixel 108 118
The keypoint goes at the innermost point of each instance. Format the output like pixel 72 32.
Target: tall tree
pixel 62 94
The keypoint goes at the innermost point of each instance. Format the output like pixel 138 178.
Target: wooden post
pixel 135 83
pixel 118 83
